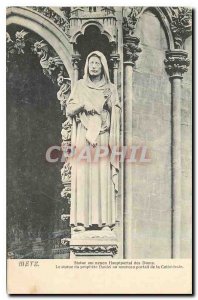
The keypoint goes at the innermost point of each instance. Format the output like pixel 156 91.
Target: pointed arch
pixel 164 17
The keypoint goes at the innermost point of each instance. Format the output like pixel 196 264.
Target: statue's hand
pixel 94 144
pixel 90 110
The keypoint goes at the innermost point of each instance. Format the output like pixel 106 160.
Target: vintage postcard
pixel 99 150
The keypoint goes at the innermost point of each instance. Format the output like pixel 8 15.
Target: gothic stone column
pixel 176 63
pixel 131 50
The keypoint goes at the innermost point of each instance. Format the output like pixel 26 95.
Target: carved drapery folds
pixel 181 25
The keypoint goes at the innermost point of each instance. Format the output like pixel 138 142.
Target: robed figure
pixel 95 111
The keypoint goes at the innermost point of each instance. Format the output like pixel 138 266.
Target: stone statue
pixel 95 111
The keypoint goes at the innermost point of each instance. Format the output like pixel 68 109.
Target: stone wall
pixel 151 121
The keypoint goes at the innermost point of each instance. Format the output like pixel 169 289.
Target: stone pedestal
pixel 97 244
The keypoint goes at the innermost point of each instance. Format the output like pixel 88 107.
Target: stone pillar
pixel 130 49
pixel 176 63
pixel 115 58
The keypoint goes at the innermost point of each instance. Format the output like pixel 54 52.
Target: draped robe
pixel 94 185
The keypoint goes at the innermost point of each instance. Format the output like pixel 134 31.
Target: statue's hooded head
pixel 102 66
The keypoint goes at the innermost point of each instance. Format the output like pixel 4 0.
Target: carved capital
pixel 181 25
pixel 176 63
pixel 131 49
pixel 76 59
pixel 114 59
pixel 130 18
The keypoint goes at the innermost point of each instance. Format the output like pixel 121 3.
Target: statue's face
pixel 95 66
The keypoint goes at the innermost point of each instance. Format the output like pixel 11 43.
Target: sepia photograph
pixel 99 135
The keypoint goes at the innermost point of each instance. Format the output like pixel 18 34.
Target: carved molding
pixel 61 22
pixel 66 173
pixel 92 11
pixel 176 63
pixel 101 17
pixel 66 130
pixel 94 250
pixel 181 25
pixel 108 10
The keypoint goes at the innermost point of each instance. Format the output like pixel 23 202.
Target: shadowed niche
pixel 34 122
